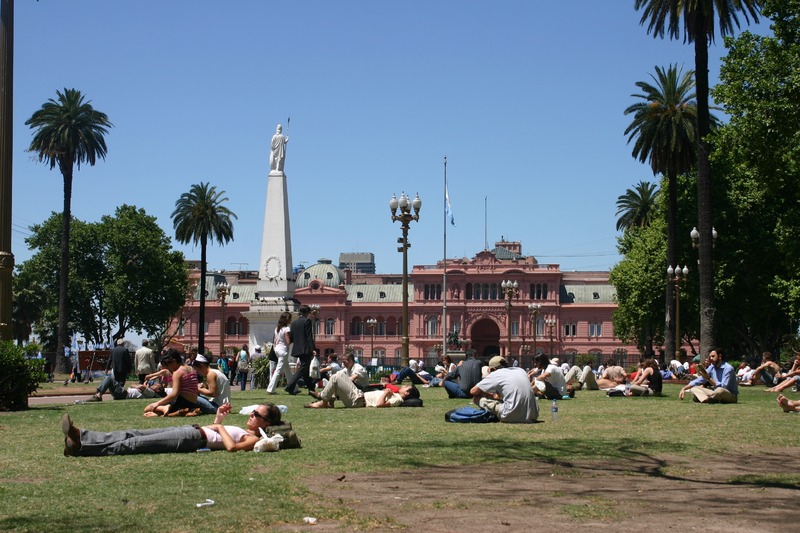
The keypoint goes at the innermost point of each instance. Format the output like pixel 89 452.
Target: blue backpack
pixel 469 415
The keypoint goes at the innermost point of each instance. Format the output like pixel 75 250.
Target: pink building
pixel 363 312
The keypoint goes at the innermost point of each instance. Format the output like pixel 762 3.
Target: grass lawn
pixel 41 490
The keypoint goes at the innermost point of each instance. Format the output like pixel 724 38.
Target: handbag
pixel 313 369
pixel 272 355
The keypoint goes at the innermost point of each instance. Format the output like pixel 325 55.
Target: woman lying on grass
pixel 83 442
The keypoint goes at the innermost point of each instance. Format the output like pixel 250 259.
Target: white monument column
pixel 275 286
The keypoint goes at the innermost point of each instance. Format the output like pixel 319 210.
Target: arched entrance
pixel 485 338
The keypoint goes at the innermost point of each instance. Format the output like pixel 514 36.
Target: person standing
pixel 280 344
pixel 242 367
pixel 254 357
pixel 301 334
pixel 119 361
pixel 145 361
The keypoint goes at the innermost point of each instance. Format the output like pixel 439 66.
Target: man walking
pixel 145 362
pixel 119 362
pixel 301 333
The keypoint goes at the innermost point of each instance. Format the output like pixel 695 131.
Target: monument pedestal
pixel 263 317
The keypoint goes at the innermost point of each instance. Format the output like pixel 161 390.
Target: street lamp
pixel 222 292
pixel 695 235
pixel 676 276
pixel 405 217
pixel 534 310
pixel 371 325
pixel 551 324
pixel 510 290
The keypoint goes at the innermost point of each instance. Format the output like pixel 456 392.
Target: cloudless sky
pixel 525 98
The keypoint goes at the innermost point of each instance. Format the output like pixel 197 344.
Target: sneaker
pixel 95 398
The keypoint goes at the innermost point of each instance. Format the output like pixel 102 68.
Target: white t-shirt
pixel 215 439
pixel 372 397
pixel 556 379
pixel 514 387
pixel 362 377
pixel 223 386
pixel 279 343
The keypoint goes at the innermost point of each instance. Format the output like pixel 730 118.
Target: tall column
pixel 6 149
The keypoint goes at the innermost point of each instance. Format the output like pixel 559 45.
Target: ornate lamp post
pixel 534 310
pixel 551 324
pixel 510 290
pixel 222 293
pixel 677 276
pixel 405 217
pixel 372 324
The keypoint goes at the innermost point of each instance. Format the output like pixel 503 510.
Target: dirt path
pixel 650 493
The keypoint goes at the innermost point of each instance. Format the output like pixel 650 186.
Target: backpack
pixel 290 438
pixel 470 415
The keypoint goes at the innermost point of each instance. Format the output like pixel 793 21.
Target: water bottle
pixel 627 388
pixel 554 410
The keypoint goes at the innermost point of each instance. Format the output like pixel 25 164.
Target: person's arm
pixel 169 398
pixel 287 337
pixel 728 377
pixel 705 375
pixel 684 389
pixel 158 374
pixel 383 400
pixel 245 445
pixel 642 376
pixel 543 376
pixel 211 390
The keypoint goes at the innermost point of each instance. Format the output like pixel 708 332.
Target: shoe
pixel 72 436
pixel 315 394
pixel 294 392
pixel 95 398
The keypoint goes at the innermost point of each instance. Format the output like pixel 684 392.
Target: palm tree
pixel 637 206
pixel 68 132
pixel 664 132
pixel 698 27
pixel 198 216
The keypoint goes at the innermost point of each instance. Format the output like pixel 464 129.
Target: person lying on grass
pixel 788 406
pixel 184 439
pixel 341 386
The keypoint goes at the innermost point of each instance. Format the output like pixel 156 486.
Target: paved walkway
pixel 63 399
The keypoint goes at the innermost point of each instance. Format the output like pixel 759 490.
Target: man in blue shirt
pixel 715 384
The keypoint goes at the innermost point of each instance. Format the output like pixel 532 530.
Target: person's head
pixel 158 388
pixel 332 357
pixel 408 392
pixel 303 310
pixel 145 342
pixel 172 360
pixel 715 357
pixel 264 415
pixel 244 347
pixel 201 365
pixel 541 361
pixel 497 362
pixel 257 350
pixel 447 361
pixel 766 356
pixel 120 342
pixel 284 320
pixel 349 360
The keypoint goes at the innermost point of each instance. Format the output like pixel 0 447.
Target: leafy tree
pixel 637 206
pixel 68 132
pixel 199 216
pixel 664 131
pixel 124 275
pixel 699 26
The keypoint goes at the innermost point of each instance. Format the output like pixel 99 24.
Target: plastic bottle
pixel 554 410
pixel 627 388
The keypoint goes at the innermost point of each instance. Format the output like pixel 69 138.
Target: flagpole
pixel 444 268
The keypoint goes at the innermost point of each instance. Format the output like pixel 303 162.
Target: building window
pixel 329 275
pixel 359 353
pixel 244 326
pixel 595 329
pixel 426 294
pixel 544 291
pixel 381 328
pixel 356 326
pixel 359 295
pixel 515 329
pixel 382 295
pixel 205 327
pixel 570 330
pixel 330 324
pixel 379 354
pixel 468 292
pixel 307 275
pixel 494 291
pixel 398 352
pixel 432 326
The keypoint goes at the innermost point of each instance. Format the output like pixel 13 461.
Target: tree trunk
pixel 63 278
pixel 201 334
pixel 704 203
pixel 672 254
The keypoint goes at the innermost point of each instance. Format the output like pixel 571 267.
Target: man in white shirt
pixel 357 373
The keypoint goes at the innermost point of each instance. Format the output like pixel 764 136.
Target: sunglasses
pixel 259 415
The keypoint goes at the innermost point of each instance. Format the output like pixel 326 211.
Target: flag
pixel 447 210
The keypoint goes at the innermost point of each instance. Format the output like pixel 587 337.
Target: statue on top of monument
pixel 277 154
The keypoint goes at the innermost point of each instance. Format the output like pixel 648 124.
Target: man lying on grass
pixel 216 436
pixel 341 386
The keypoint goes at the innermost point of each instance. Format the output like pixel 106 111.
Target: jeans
pixel 116 389
pixel 207 406
pixel 242 377
pixel 454 390
pixel 182 439
pixel 406 372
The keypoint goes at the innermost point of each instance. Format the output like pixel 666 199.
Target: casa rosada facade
pixel 561 314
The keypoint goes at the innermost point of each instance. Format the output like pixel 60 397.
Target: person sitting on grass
pixel 649 380
pixel 506 392
pixel 185 439
pixel 342 387
pixel 791 378
pixel 216 391
pixel 119 392
pixel 715 384
pixel 768 372
pixel 414 374
pixel 182 399
pixel 612 376
pixel 586 380
pixel 788 406
pixel 459 383
pixel 548 380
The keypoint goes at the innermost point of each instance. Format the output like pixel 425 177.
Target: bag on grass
pixel 470 415
pixel 290 438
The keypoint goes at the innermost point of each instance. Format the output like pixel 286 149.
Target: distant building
pixel 359 262
pixel 575 315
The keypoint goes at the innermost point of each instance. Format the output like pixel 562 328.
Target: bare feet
pixel 151 414
pixel 318 405
pixel 72 436
pixel 179 412
pixel 783 401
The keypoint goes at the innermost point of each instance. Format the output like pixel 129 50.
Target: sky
pixel 524 98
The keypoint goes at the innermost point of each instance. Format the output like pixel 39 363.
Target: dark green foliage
pixel 20 377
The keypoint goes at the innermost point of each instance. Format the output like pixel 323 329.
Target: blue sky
pixel 524 98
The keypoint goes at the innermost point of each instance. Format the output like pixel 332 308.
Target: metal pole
pixel 405 293
pixel 6 151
